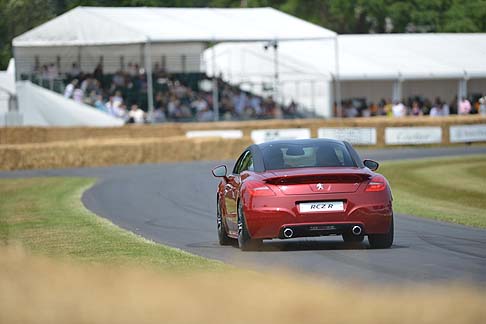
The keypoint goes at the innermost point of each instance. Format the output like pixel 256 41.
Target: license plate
pixel 321 206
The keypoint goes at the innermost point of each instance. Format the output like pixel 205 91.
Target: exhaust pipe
pixel 357 230
pixel 288 233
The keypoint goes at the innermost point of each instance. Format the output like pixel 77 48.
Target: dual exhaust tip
pixel 356 230
pixel 288 233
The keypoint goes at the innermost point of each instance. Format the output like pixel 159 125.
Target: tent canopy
pixel 85 26
pixel 365 57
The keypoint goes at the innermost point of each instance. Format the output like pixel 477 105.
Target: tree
pixel 342 16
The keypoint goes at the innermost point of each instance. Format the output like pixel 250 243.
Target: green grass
pixel 447 189
pixel 46 216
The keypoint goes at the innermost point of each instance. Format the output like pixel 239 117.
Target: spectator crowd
pixel 177 98
pixel 413 106
pixel 188 97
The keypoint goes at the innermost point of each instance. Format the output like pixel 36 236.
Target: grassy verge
pixel 40 290
pixel 448 189
pixel 46 216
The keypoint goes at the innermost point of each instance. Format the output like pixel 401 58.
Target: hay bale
pixel 106 152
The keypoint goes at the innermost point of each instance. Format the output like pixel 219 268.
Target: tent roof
pixel 365 57
pixel 413 55
pixel 108 25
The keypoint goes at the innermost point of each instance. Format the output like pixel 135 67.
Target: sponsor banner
pixel 467 133
pixel 224 133
pixel 412 135
pixel 264 135
pixel 353 135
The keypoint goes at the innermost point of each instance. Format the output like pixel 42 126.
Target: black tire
pixel 382 241
pixel 245 242
pixel 350 238
pixel 223 237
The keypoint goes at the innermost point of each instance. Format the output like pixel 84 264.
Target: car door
pixel 232 188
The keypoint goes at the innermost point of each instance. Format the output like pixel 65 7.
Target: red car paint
pixel 267 215
pixel 270 201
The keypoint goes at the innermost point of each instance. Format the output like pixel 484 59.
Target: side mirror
pixel 220 171
pixel 370 164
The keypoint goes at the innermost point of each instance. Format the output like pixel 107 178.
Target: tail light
pixel 258 189
pixel 377 183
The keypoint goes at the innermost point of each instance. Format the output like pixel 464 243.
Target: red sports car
pixel 303 188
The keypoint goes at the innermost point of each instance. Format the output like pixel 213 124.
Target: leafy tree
pixel 342 16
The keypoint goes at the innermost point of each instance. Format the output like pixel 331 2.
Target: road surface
pixel 174 204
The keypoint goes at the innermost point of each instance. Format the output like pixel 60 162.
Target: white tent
pixel 101 26
pixel 386 65
pixel 7 90
pixel 90 31
pixel 41 107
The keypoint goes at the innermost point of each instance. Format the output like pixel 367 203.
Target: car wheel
pixel 222 235
pixel 382 241
pixel 245 242
pixel 349 237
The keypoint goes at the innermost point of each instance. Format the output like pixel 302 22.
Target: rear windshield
pixel 291 155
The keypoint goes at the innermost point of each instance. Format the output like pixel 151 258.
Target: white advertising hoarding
pixel 355 135
pixel 467 133
pixel 264 135
pixel 413 135
pixel 223 133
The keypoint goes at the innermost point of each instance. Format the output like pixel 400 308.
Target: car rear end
pixel 317 201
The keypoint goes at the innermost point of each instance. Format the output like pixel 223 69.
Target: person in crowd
pixel 256 105
pixel 98 73
pixel 365 111
pixel 117 98
pixel 118 80
pixel 388 108
pixel 75 71
pixel 205 115
pixel 119 111
pixel 109 105
pixel 350 111
pixel 436 109
pixel 464 107
pixel 99 104
pixel 136 115
pixel 399 109
pixel 445 109
pixel 45 72
pixel 78 95
pixel 160 115
pixel 482 106
pixel 69 90
pixel 52 72
pixel 416 109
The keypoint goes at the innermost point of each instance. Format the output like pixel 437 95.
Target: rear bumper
pixel 268 218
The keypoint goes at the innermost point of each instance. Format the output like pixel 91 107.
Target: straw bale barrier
pixel 24 135
pixel 63 147
pixel 106 152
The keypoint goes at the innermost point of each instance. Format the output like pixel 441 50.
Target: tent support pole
pixel 397 89
pixel 16 63
pixel 215 83
pixel 461 90
pixel 337 82
pixel 276 93
pixel 313 96
pixel 150 86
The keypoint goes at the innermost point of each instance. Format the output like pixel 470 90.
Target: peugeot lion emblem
pixel 320 186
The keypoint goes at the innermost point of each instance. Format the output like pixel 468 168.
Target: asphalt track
pixel 174 204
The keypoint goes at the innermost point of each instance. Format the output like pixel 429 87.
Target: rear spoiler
pixel 318 178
